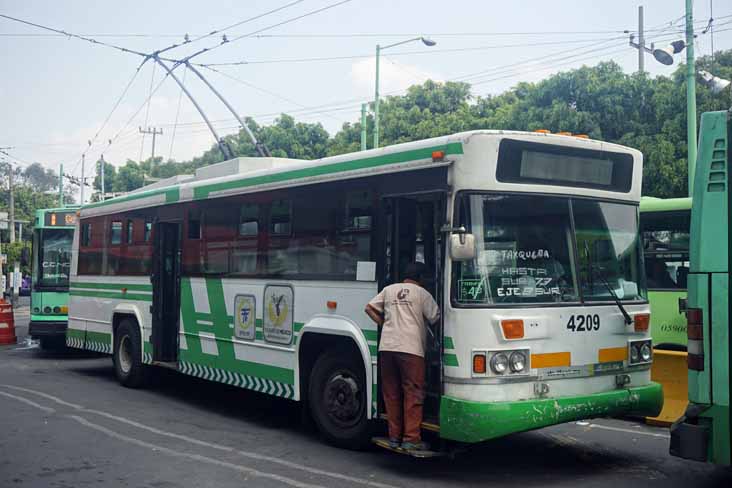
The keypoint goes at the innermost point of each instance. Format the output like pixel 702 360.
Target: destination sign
pixel 60 219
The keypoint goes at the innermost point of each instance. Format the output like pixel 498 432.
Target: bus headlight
pixel 517 361
pixel 645 352
pixel 499 363
pixel 641 352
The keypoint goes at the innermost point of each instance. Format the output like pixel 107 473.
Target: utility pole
pixel 154 132
pixel 363 126
pixel 102 163
pixel 11 210
pixel 61 185
pixel 690 95
pixel 641 40
pixel 81 198
pixel 641 44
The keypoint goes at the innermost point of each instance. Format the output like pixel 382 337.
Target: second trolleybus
pixel 53 232
pixel 255 273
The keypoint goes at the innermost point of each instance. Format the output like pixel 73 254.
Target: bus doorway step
pixel 383 442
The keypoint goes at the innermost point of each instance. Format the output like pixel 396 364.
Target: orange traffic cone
pixel 7 323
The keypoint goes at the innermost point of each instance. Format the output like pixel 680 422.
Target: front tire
pixel 127 355
pixel 337 400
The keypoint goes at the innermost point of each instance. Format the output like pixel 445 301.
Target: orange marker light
pixel 543 131
pixel 331 305
pixel 53 219
pixel 479 364
pixel 513 328
pixel 641 322
pixel 438 155
pixel 582 136
pixel 564 133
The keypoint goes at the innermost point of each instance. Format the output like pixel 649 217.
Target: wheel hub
pixel 343 399
pixel 125 354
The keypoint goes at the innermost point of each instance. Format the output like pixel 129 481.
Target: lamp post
pixel 426 42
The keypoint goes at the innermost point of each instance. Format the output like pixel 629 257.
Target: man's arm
pixel 374 314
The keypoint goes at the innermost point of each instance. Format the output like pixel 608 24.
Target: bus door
pixel 410 231
pixel 165 279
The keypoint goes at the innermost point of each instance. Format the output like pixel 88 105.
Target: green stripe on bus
pixel 110 294
pixel 171 195
pixel 448 343
pixel 110 286
pixel 374 350
pixel 370 335
pixel 450 360
pixel 76 333
pixel 203 191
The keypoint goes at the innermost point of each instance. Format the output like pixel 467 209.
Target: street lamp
pixel 427 42
pixel 666 55
pixel 714 83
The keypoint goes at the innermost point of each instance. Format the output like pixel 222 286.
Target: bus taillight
pixel 695 335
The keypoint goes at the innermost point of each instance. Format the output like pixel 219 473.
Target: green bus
pixel 703 433
pixel 53 234
pixel 665 230
pixel 664 225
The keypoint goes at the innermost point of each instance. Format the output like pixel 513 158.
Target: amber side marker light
pixel 513 328
pixel 543 131
pixel 479 364
pixel 582 136
pixel 331 305
pixel 564 133
pixel 438 155
pixel 641 322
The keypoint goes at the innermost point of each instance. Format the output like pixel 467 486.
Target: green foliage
pixel 601 101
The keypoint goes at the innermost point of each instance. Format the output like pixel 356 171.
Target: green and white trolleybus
pixel 255 272
pixel 53 232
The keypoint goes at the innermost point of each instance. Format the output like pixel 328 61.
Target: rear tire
pixel 127 355
pixel 337 400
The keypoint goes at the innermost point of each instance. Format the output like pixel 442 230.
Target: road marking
pixel 196 457
pixel 627 431
pixel 191 440
pixel 45 395
pixel 29 402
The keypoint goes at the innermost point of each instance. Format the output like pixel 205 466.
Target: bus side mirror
pixel 24 257
pixel 462 247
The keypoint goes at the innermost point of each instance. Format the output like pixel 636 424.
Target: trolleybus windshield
pixel 539 249
pixel 55 258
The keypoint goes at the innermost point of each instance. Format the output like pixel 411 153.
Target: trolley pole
pixel 641 40
pixel 102 163
pixel 81 197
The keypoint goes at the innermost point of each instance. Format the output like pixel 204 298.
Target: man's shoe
pixel 415 446
pixel 394 443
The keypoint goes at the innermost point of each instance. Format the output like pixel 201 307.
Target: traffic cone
pixel 7 323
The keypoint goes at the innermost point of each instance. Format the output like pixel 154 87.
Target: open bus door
pixel 165 280
pixel 410 231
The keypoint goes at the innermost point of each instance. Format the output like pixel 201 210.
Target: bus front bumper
pixel 468 421
pixel 47 328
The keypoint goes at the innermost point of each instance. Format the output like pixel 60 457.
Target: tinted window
pixel 115 235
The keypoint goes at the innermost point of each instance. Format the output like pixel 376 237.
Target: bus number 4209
pixel 584 323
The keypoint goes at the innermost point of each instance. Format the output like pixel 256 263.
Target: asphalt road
pixel 65 422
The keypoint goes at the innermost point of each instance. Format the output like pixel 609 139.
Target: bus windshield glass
pixel 538 249
pixel 55 257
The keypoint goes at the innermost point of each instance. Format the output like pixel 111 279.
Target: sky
pixel 59 93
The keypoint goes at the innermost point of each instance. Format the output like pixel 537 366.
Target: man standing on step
pixel 403 311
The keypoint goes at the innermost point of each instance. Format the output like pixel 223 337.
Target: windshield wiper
pixel 626 316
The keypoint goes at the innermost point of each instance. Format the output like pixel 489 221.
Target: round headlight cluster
pixel 499 363
pixel 46 309
pixel 634 355
pixel 56 309
pixel 517 361
pixel 645 352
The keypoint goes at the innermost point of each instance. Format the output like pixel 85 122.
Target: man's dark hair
pixel 415 271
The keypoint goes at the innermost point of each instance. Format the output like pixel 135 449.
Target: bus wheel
pixel 337 397
pixel 127 355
